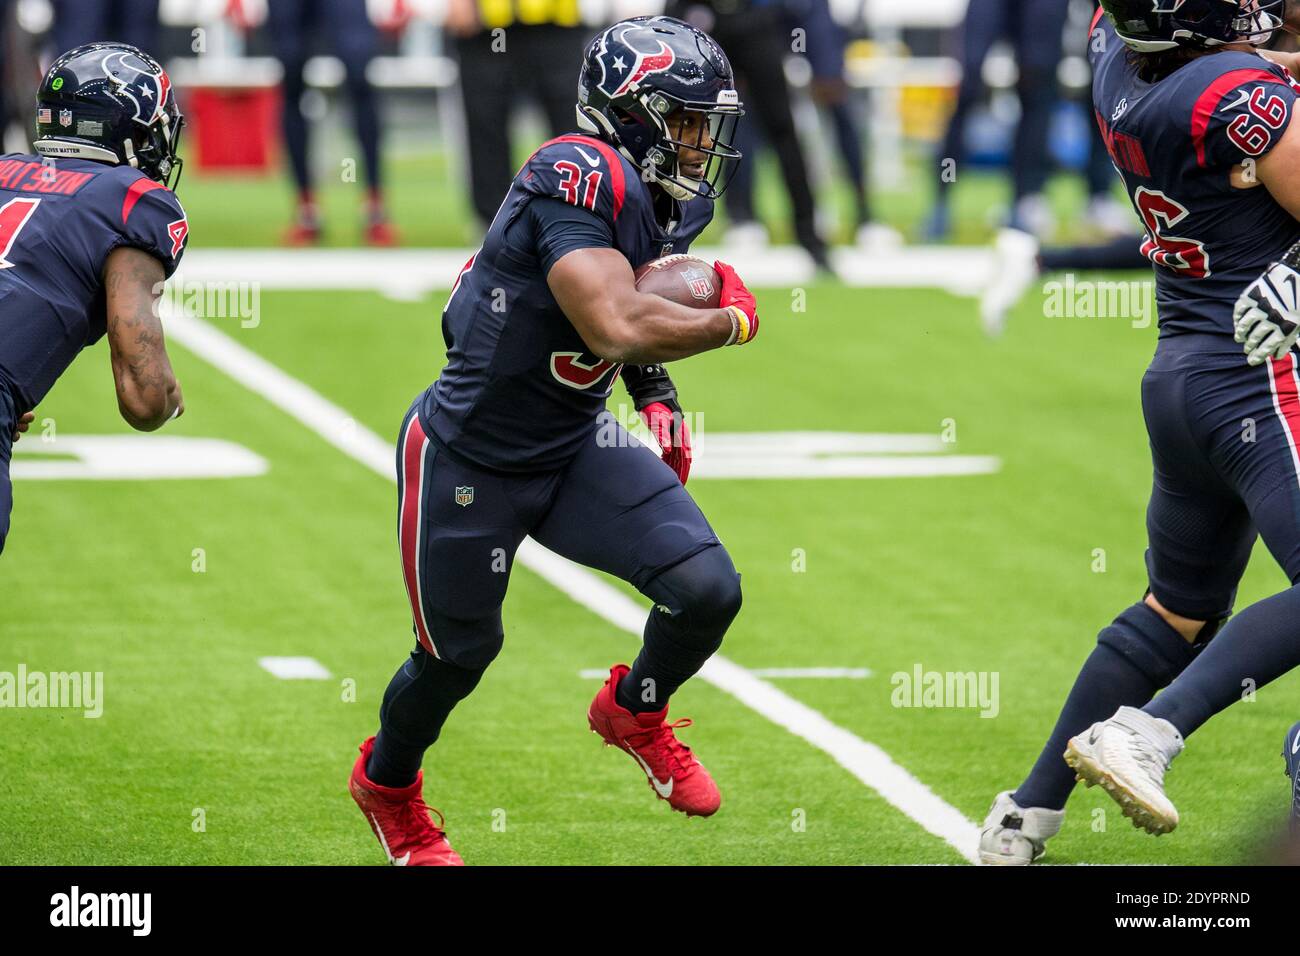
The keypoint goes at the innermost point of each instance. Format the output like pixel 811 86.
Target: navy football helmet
pixel 639 73
pixel 1149 26
pixel 112 103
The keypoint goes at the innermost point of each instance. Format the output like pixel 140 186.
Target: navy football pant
pixel 1224 439
pixel 7 419
pixel 614 507
pixel 354 40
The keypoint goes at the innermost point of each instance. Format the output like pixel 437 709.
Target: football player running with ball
pixel 1202 130
pixel 88 231
pixel 513 439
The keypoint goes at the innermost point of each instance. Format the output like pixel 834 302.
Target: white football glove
pixel 1266 318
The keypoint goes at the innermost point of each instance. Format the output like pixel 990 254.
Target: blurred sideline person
pixel 90 230
pixel 353 38
pixel 1202 128
pixel 754 34
pixel 514 439
pixel 825 42
pixel 1035 30
pixel 505 47
pixel 87 21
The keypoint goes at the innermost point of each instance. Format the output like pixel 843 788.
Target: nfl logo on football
pixel 697 280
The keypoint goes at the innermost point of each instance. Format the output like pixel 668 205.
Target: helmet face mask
pixel 110 103
pixel 662 92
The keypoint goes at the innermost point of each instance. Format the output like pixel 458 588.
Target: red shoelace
pixel 663 743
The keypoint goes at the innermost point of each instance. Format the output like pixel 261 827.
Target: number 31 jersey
pixel 1175 143
pixel 58 223
pixel 520 392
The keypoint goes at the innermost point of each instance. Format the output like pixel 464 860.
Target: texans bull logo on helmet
pixel 624 65
pixel 139 83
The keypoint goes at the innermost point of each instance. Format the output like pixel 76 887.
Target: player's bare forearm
pixel 658 330
pixel 1289 60
pixel 147 391
pixel 597 291
pixel 1277 170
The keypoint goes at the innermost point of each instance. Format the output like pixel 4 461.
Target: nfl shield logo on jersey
pixel 464 495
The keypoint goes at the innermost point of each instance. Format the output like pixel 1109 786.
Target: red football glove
pixel 741 303
pixel 674 438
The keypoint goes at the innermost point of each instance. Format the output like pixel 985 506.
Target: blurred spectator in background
pixel 824 44
pixel 757 42
pixel 292 24
pixel 504 46
pixel 1034 28
pixel 85 21
pixel 822 41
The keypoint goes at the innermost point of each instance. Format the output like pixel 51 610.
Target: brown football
pixel 683 279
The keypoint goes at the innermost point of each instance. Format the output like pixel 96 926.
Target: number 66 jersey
pixel 1175 143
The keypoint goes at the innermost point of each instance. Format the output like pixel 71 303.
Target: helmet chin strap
pixel 594 122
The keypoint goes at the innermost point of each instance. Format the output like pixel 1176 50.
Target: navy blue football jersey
pixel 1175 143
pixel 519 391
pixel 58 223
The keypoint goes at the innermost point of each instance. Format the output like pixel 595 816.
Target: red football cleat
pixel 672 770
pixel 382 233
pixel 400 818
pixel 302 234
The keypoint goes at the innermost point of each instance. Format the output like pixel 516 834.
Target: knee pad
pixel 1145 639
pixel 701 594
pixel 471 644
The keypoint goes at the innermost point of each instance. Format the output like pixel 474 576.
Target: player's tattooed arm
pixel 147 391
pixel 597 291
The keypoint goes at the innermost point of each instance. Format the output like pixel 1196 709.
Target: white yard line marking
pixel 871 765
pixel 413 273
pixel 850 673
pixel 295 668
pixel 138 457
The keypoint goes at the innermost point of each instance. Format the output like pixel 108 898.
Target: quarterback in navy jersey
pixel 88 232
pixel 513 439
pixel 1201 127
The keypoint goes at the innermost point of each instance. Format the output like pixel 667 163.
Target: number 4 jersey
pixel 58 223
pixel 1175 143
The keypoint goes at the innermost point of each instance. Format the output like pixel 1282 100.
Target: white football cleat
pixel 1013 835
pixel 1128 755
pixel 1015 270
pixel 877 238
